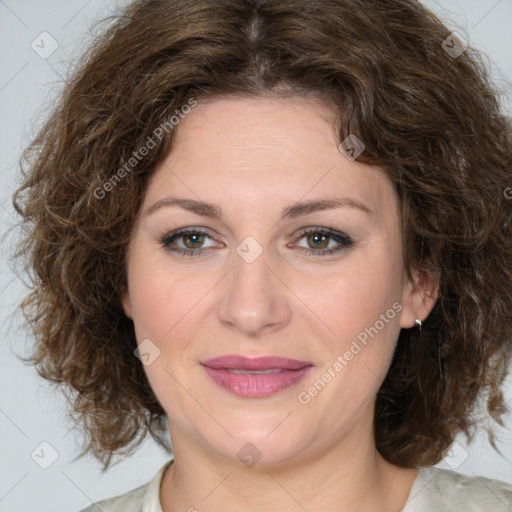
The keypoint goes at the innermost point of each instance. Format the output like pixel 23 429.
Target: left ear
pixel 418 298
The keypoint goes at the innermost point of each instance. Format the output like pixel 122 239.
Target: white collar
pixel 151 498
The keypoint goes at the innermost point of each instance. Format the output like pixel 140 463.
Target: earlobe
pixel 126 304
pixel 419 299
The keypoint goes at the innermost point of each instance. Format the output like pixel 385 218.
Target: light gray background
pixel 30 411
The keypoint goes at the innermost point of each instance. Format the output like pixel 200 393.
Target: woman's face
pixel 247 281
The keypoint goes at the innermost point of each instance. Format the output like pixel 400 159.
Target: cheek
pixel 163 312
pixel 150 306
pixel 362 316
pixel 359 310
pixel 353 297
pixel 161 300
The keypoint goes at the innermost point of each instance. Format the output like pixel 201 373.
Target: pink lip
pixel 252 385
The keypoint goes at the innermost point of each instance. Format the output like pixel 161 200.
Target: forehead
pixel 263 152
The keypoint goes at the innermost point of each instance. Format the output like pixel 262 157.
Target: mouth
pixel 256 377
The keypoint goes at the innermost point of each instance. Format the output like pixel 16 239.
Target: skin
pixel 253 158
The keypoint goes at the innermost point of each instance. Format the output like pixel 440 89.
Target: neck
pixel 350 475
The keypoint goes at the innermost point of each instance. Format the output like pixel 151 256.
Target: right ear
pixel 126 304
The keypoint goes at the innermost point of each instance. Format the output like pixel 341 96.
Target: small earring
pixel 418 323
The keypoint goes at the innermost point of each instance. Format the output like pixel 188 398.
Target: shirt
pixel 434 489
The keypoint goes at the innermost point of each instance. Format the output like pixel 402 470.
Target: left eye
pixel 320 242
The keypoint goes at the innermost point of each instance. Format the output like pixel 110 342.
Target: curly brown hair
pixel 430 119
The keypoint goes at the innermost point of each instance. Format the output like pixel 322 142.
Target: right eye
pixel 192 241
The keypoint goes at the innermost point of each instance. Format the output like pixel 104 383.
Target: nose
pixel 254 300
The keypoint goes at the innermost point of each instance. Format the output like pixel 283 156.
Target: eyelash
pixel 344 240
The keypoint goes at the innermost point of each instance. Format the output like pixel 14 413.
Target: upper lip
pixel 257 363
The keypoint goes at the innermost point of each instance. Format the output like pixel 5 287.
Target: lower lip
pixel 251 385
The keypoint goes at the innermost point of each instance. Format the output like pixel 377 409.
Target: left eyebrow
pixel 291 212
pixel 307 207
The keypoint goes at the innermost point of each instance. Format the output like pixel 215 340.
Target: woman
pixel 282 227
